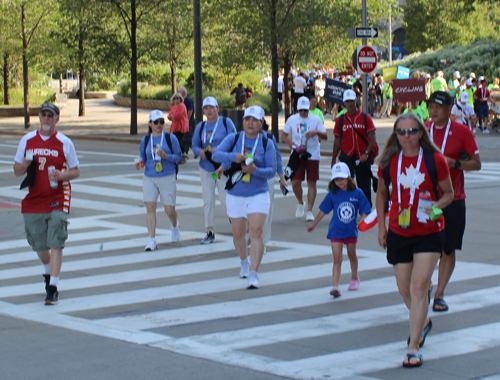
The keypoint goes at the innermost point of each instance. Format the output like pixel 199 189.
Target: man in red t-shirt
pixel 458 145
pixel 482 96
pixel 355 141
pixel 50 160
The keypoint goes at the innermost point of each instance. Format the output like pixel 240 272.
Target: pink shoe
pixel 335 292
pixel 353 285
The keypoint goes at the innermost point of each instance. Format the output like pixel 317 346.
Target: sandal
pixel 353 285
pixel 440 302
pixel 409 364
pixel 335 292
pixel 425 331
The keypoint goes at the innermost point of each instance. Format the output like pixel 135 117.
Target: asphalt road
pixel 181 312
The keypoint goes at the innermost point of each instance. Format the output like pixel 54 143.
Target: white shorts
pixel 165 187
pixel 241 207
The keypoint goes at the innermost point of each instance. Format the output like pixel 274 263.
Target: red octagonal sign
pixel 367 59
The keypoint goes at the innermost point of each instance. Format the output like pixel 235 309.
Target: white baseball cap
pixel 456 74
pixel 155 115
pixel 472 75
pixel 464 97
pixel 427 76
pixel 480 78
pixel 303 103
pixel 210 101
pixel 349 95
pixel 468 82
pixel 340 170
pixel 254 111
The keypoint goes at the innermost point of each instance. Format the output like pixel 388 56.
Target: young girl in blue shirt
pixel 346 201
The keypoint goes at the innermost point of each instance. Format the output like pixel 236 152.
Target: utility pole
pixel 365 77
pixel 198 79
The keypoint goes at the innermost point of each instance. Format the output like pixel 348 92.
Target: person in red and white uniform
pixel 50 159
pixel 355 141
pixel 456 142
pixel 414 240
pixel 482 97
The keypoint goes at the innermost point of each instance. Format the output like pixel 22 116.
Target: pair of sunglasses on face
pixel 161 121
pixel 410 131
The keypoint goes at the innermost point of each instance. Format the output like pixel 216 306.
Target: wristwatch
pixel 458 163
pixel 366 152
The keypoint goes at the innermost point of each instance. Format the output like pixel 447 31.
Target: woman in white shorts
pixel 248 199
pixel 160 152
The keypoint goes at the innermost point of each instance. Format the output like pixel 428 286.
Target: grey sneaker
pixel 245 268
pixel 209 238
pixel 253 280
pixel 52 295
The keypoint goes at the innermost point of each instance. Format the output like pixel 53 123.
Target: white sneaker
pixel 486 131
pixel 309 216
pixel 253 280
pixel 176 235
pixel 245 268
pixel 151 246
pixel 300 210
pixel 474 131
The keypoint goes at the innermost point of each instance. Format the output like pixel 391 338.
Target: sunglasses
pixel 410 131
pixel 161 121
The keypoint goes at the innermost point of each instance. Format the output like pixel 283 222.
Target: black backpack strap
pixel 169 143
pixel 224 120
pixel 235 140
pixel 430 164
pixel 202 126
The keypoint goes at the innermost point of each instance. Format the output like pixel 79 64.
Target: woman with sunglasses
pixel 248 200
pixel 180 124
pixel 415 167
pixel 160 152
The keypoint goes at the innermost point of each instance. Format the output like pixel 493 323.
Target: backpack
pixel 224 121
pixel 241 96
pixel 430 164
pixel 169 143
pixel 375 150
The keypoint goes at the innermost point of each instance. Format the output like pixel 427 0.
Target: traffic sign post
pixel 367 59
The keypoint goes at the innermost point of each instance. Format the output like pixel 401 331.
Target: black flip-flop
pixel 429 293
pixel 413 365
pixel 425 331
pixel 440 302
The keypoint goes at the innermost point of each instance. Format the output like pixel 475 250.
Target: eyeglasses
pixel 410 131
pixel 161 121
pixel 49 115
pixel 303 111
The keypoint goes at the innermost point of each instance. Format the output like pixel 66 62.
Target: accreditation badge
pixel 404 218
pixel 158 166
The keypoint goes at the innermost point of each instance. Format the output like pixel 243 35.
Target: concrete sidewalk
pixel 105 120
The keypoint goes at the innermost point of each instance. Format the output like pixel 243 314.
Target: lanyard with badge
pixel 154 152
pixel 445 135
pixel 404 214
pixel 209 146
pixel 246 177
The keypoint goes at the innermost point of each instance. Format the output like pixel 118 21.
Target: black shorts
pixel 400 249
pixel 454 226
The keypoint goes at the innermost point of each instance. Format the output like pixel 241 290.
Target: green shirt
pixel 387 92
pixel 491 85
pixel 453 84
pixel 318 113
pixel 438 84
pixel 471 95
pixel 421 112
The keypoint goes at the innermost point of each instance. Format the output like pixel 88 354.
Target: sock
pixel 54 281
pixel 152 240
pixel 243 261
pixel 46 268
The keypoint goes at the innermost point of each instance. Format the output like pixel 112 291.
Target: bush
pixel 124 88
pixel 155 92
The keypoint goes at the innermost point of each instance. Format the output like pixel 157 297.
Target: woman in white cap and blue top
pixel 160 153
pixel 248 199
pixel 206 137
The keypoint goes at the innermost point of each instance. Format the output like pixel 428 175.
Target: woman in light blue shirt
pixel 248 196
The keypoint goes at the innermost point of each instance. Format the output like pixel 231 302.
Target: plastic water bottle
pixel 53 184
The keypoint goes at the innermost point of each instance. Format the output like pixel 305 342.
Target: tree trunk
pixel 6 82
pixel 173 73
pixel 27 122
pixel 133 69
pixel 274 70
pixel 60 84
pixel 81 52
pixel 286 92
